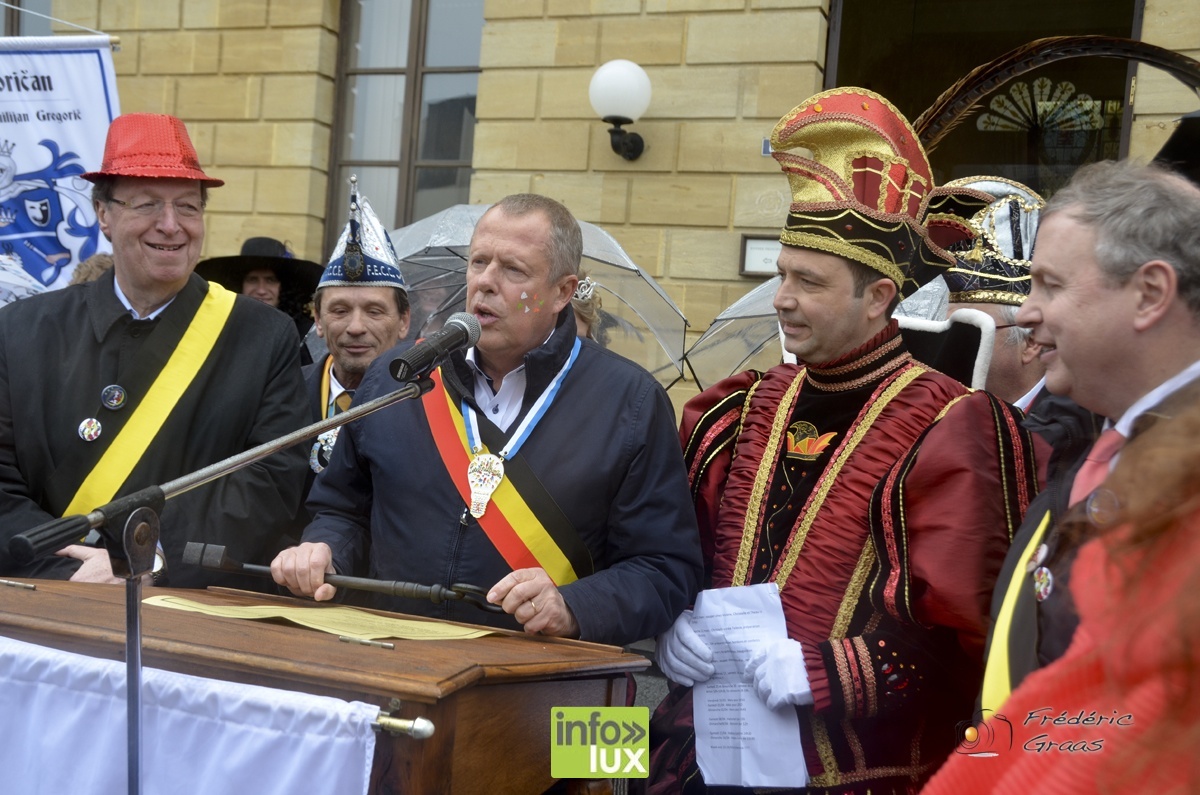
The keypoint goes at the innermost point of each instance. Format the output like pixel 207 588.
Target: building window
pixel 19 23
pixel 1039 127
pixel 407 81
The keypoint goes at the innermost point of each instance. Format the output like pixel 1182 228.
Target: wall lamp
pixel 620 94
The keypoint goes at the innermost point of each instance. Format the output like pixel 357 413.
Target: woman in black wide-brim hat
pixel 267 271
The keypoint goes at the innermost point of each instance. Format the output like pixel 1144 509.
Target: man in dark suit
pixel 1115 310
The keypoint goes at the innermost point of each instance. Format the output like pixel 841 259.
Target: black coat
pixel 58 351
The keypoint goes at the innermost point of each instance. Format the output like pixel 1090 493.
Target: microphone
pixel 461 331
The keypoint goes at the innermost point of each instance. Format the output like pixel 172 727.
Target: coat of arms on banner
pixel 46 213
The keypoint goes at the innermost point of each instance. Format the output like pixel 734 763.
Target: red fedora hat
pixel 150 145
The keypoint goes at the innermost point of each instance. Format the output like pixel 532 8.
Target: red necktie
pixel 1095 467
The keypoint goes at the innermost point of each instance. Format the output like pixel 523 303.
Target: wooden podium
pixel 489 698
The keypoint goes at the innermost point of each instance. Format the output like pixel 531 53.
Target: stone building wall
pixel 253 80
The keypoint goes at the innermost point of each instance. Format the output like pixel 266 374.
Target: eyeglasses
pixel 152 207
pixel 1001 326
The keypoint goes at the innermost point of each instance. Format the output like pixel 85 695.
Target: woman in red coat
pixel 1120 712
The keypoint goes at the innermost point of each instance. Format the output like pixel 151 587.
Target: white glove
pixel 682 655
pixel 777 671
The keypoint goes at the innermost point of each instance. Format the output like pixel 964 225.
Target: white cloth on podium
pixel 63 724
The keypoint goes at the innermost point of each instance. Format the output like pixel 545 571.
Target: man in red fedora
pixel 146 374
pixel 869 498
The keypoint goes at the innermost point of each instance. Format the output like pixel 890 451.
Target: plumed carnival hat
pixel 150 145
pixel 989 225
pixel 1181 152
pixel 859 179
pixel 363 256
pixel 297 274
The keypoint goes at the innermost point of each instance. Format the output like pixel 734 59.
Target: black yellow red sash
pixel 123 454
pixel 522 521
pixel 997 676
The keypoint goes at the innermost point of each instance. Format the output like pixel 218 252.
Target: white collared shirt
pixel 502 407
pixel 1024 402
pixel 1154 397
pixel 125 303
pixel 1149 400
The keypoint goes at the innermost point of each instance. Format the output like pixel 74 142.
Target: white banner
pixel 58 95
pixel 63 724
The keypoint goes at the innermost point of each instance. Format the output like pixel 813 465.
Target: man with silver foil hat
pixel 875 494
pixel 540 466
pixel 360 312
pixel 147 374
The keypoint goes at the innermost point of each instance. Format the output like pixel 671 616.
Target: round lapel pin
pixel 89 429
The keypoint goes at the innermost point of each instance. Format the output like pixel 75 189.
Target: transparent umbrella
pixel 745 336
pixel 642 322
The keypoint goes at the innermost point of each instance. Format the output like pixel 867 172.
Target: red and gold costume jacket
pixel 881 497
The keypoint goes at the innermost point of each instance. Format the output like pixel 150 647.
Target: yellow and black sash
pixel 135 437
pixel 1018 614
pixel 523 521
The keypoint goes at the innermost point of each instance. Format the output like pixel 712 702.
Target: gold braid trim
pixel 834 777
pixel 860 759
pixel 868 672
pixel 840 779
pixel 820 735
pixel 746 405
pixel 947 407
pixel 829 477
pixel 1006 488
pixel 843 249
pixel 988 297
pixel 875 375
pixel 841 624
pixel 765 466
pixel 843 668
pixel 885 349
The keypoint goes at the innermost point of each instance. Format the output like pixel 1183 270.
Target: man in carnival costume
pixel 877 494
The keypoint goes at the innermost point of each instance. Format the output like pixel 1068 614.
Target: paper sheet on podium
pixel 334 620
pixel 739 741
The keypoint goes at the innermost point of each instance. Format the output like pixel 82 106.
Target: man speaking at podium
pixel 541 467
pixel 148 374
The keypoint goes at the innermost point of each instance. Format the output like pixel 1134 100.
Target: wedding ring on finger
pixel 533 604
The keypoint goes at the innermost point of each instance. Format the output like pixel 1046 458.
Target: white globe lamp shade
pixel 620 88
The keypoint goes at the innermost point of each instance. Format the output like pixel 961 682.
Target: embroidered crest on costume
pixel 805 442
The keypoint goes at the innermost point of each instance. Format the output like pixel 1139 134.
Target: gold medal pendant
pixel 484 475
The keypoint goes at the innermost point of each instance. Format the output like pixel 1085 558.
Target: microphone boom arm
pixel 54 535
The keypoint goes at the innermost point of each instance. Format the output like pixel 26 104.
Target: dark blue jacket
pixel 607 452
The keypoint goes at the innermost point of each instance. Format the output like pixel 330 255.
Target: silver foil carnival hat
pixel 363 256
